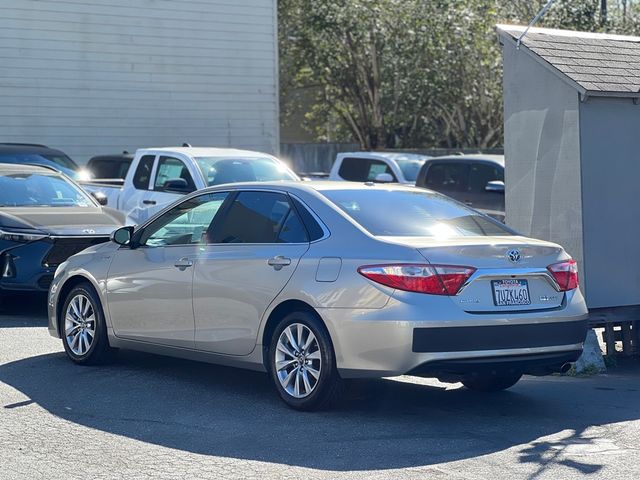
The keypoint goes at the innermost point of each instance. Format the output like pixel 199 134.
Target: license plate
pixel 510 292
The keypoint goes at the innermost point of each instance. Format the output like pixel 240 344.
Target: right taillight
pixel 566 274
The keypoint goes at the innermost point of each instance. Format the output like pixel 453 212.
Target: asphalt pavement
pixel 147 416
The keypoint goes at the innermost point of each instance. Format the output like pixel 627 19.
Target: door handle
pixel 183 263
pixel 149 202
pixel 278 262
pixel 468 203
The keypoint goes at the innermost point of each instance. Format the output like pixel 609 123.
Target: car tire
pixel 301 362
pixel 83 328
pixel 491 383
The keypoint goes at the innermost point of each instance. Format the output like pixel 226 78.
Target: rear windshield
pixel 413 214
pixel 40 190
pixel 217 170
pixel 59 162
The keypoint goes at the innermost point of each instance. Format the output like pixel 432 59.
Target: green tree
pixel 410 73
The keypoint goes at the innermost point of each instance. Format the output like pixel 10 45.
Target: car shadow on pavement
pixel 23 310
pixel 382 424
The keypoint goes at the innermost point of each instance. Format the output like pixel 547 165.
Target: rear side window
pixel 413 214
pixel 260 217
pixel 143 172
pixel 450 176
pixel 313 227
pixel 363 169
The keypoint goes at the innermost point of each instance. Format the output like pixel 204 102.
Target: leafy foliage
pixel 409 73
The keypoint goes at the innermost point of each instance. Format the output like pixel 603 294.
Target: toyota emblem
pixel 514 255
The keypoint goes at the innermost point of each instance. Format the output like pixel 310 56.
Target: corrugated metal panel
pixel 99 76
pixel 542 154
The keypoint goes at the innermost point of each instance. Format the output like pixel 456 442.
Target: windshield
pixel 218 170
pixel 40 190
pixel 59 162
pixel 410 168
pixel 413 214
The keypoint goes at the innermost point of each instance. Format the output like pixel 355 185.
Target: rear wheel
pixel 302 363
pixel 83 328
pixel 491 383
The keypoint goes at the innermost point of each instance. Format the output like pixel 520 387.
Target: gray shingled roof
pixel 599 64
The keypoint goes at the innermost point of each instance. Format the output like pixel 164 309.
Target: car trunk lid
pixel 511 271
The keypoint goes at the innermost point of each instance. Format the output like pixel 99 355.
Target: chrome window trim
pixel 489 274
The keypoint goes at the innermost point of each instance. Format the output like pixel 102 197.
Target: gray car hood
pixel 61 220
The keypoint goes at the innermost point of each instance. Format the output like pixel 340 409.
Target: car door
pixel 253 251
pixel 149 287
pixel 136 195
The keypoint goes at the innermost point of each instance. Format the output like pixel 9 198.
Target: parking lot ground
pixel 152 417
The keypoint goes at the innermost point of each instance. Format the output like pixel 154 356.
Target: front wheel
pixel 83 328
pixel 302 363
pixel 491 383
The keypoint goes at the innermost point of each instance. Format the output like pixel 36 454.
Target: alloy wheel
pixel 80 325
pixel 298 360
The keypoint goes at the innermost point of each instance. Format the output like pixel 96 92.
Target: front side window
pixel 173 175
pixel 40 190
pixel 143 173
pixel 413 214
pixel 363 169
pixel 185 224
pixel 260 217
pixel 481 174
pixel 217 170
pixel 449 176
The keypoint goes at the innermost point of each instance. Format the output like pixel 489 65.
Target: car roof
pixel 314 186
pixel 499 159
pixel 387 155
pixel 11 168
pixel 117 157
pixel 9 148
pixel 206 152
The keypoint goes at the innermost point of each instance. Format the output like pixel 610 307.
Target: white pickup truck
pixel 159 176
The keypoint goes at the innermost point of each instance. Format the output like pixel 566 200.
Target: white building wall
pixel 98 76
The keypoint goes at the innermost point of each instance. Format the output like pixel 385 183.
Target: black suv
pixel 35 154
pixel 476 180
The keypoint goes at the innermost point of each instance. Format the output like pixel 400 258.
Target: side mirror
pixel 179 185
pixel 100 197
pixel 384 178
pixel 122 236
pixel 496 186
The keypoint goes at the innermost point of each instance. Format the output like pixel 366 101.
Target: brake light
pixel 432 279
pixel 566 274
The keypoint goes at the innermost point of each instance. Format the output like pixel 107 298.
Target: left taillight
pixel 431 279
pixel 565 274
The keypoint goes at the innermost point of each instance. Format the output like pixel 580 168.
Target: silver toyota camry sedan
pixel 317 283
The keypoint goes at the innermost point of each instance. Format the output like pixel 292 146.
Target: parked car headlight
pixel 21 236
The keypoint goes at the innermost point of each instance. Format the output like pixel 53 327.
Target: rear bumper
pixel 401 338
pixel 532 364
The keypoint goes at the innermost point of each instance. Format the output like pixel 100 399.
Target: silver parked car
pixel 316 282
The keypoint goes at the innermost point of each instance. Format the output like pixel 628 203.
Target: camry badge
pixel 88 231
pixel 513 255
